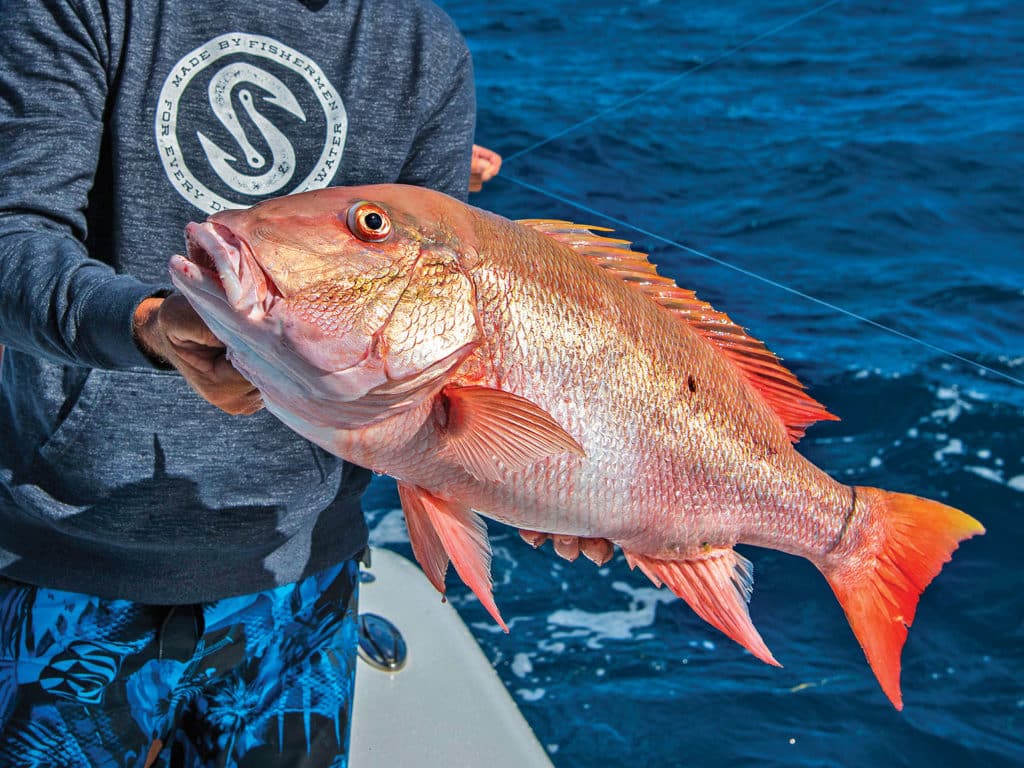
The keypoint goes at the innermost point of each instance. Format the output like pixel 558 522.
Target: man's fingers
pixel 225 374
pixel 191 336
pixel 251 402
pixel 213 365
pixel 255 403
pixel 201 359
pixel 218 382
pixel 484 166
pixel 490 170
pixel 183 326
pixel 171 329
pixel 238 399
pixel 244 404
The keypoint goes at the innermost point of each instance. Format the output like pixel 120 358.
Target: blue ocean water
pixel 867 154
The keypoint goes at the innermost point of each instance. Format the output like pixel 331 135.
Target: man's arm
pixel 55 301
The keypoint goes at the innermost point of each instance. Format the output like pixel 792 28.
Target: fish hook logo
pixel 262 116
pixel 282 164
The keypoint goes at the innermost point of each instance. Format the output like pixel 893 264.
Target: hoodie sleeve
pixel 440 157
pixel 55 301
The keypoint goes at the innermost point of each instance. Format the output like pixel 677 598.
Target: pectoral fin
pixel 440 530
pixel 491 432
pixel 717 586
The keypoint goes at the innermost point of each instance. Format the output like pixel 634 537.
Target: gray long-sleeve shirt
pixel 120 121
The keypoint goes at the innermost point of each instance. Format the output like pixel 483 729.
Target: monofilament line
pixel 669 81
pixel 758 277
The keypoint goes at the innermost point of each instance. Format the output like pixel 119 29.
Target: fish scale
pixel 613 349
pixel 543 374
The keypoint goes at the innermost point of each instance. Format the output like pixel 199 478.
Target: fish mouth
pixel 221 264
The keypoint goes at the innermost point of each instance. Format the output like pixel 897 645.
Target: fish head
pixel 341 304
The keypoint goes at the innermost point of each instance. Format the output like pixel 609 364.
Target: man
pixel 177 569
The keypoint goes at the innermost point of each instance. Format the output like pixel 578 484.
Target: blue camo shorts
pixel 257 680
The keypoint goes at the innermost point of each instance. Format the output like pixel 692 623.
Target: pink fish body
pixel 546 376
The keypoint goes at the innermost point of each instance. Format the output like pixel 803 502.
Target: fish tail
pixel 896 544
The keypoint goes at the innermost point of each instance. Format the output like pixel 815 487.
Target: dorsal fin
pixel 780 388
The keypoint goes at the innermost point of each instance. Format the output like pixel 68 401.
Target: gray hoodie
pixel 120 121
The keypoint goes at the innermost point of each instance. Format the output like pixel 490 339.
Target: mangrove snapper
pixel 545 375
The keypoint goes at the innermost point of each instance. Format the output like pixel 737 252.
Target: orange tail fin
pixel 879 576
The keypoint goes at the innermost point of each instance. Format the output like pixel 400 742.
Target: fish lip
pixel 229 267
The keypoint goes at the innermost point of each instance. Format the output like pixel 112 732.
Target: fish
pixel 545 375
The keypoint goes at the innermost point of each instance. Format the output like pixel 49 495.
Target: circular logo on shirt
pixel 243 118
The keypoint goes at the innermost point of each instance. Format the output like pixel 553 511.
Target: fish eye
pixel 369 222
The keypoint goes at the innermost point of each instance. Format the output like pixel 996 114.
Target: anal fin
pixel 440 530
pixel 717 586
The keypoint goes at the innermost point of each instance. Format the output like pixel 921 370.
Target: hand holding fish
pixel 171 329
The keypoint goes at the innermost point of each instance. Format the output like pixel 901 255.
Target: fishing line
pixel 758 277
pixel 675 78
pixel 668 241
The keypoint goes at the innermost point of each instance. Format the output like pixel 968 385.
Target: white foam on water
pixel 988 474
pixel 954 447
pixel 489 626
pixel 707 645
pixel 521 665
pixel 552 646
pixel 531 694
pixel 508 564
pixel 951 412
pixel 390 529
pixel 1016 482
pixel 613 625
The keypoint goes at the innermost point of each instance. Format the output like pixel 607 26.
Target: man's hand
pixel 170 329
pixel 484 166
pixel 598 551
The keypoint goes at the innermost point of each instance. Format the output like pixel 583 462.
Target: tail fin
pixel 904 544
